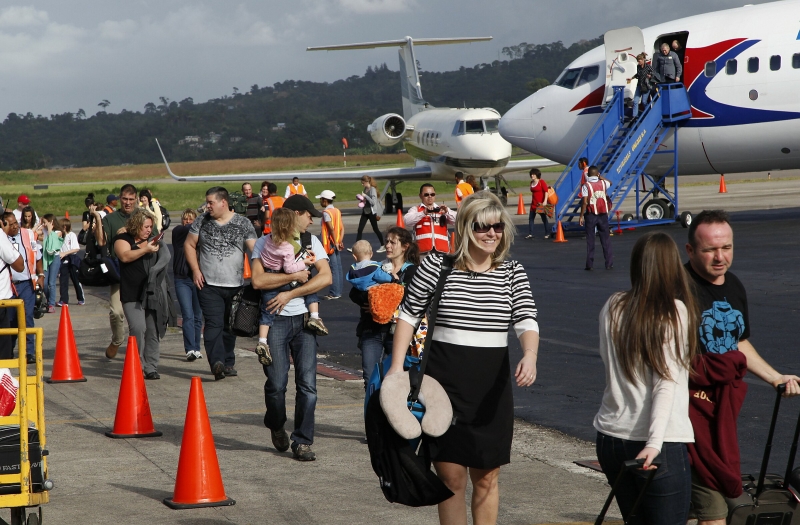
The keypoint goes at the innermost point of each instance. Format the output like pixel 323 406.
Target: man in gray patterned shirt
pixel 215 249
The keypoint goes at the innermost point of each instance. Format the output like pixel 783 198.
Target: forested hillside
pixel 292 118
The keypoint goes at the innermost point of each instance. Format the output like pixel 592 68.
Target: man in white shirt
pixel 29 279
pixel 429 222
pixel 295 188
pixel 10 259
pixel 288 335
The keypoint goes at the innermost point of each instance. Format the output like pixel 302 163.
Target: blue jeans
pixel 669 494
pixel 26 293
pixel 219 340
pixel 191 313
pixel 532 218
pixel 374 346
pixel 335 260
pixel 640 95
pixel 51 279
pixel 266 318
pixel 288 337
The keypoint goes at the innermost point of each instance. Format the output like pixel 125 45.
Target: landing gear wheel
pixel 504 198
pixel 399 203
pixel 686 219
pixel 670 208
pixel 389 207
pixel 655 209
pixel 627 217
pixel 33 519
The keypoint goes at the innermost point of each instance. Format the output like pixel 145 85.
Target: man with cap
pixel 22 201
pixel 332 240
pixel 289 336
pixel 112 201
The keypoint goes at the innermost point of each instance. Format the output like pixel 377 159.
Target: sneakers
pixel 51 309
pixel 382 249
pixel 529 237
pixel 30 359
pixel 191 355
pixel 111 351
pixel 280 440
pixel 547 236
pixel 81 303
pixel 316 326
pixel 152 375
pixel 230 371
pixel 331 297
pixel 262 351
pixel 60 304
pixel 303 453
pixel 218 370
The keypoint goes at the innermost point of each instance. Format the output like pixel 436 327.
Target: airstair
pixel 622 151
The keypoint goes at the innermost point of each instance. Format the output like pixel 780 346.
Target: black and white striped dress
pixel 469 354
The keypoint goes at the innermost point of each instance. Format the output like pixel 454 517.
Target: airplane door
pixel 622 46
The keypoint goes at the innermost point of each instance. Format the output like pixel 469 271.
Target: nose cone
pixel 517 126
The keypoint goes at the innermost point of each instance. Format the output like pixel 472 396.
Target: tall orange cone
pixel 559 234
pixel 66 214
pixel 453 242
pixel 133 419
pixel 722 187
pixel 400 221
pixel 66 363
pixel 246 273
pixel 199 481
pixel 520 206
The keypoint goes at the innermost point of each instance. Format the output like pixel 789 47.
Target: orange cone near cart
pixel 559 234
pixel 453 242
pixel 133 419
pixel 722 187
pixel 66 363
pixel 199 481
pixel 520 206
pixel 400 221
pixel 247 273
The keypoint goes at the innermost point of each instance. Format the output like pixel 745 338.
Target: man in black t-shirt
pixel 724 327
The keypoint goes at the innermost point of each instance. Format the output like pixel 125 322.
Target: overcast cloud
pixel 58 56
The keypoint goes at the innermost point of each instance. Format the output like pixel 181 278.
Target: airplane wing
pixel 416 172
pixel 525 165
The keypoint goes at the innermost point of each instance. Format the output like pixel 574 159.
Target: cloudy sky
pixel 58 56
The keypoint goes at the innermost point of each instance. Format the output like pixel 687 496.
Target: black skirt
pixel 478 381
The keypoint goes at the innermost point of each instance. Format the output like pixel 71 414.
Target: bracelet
pixel 40 274
pixel 536 352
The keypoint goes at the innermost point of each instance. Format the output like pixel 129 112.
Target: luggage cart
pixel 27 488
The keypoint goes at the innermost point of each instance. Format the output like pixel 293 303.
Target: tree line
pixel 314 115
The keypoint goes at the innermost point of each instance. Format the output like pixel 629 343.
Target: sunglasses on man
pixel 484 228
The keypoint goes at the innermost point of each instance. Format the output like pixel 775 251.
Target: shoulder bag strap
pixel 416 373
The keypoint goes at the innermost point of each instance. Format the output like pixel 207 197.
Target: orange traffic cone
pixel 66 214
pixel 133 419
pixel 559 233
pixel 453 242
pixel 400 222
pixel 66 363
pixel 199 481
pixel 247 273
pixel 722 188
pixel 520 206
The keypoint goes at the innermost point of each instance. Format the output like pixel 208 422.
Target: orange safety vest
pixel 299 190
pixel 273 203
pixel 338 230
pixel 108 209
pixel 430 234
pixel 466 190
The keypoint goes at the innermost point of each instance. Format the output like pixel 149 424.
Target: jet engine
pixel 388 129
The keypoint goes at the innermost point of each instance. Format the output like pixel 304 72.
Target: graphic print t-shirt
pixel 724 316
pixel 221 248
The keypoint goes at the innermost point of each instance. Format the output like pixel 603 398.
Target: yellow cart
pixel 28 489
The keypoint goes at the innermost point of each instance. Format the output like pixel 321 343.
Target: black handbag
pixel 245 311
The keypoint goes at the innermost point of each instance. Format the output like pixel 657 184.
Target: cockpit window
pixel 588 74
pixel 491 125
pixel 474 126
pixel 568 78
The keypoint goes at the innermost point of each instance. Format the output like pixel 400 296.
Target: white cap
pixel 326 194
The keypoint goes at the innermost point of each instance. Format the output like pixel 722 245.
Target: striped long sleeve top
pixel 476 309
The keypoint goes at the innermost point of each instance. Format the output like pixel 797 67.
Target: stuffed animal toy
pixel 384 300
pixel 394 402
pixel 360 198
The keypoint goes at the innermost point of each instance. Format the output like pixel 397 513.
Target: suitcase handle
pixel 792 453
pixel 768 449
pixel 628 466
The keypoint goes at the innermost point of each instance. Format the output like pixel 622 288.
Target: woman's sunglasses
pixel 480 228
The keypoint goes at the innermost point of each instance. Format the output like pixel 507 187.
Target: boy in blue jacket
pixel 366 273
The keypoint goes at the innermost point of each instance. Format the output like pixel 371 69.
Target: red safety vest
pixel 597 201
pixel 430 234
pixel 273 203
pixel 328 242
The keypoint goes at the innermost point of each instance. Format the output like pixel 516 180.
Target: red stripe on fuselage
pixel 595 98
pixel 696 57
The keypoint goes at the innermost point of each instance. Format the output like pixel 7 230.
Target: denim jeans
pixel 28 296
pixel 640 95
pixel 335 260
pixel 50 280
pixel 219 340
pixel 532 218
pixel 669 494
pixel 191 313
pixel 266 318
pixel 374 346
pixel 288 337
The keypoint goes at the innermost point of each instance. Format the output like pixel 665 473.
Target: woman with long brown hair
pixel 648 338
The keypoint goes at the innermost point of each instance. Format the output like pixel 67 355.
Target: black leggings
pixel 70 271
pixel 372 220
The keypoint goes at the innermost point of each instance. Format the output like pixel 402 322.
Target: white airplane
pixel 741 69
pixel 442 141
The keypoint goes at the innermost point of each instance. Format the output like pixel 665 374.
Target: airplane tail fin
pixel 410 87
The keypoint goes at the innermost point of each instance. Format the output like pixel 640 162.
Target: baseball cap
pixel 301 203
pixel 326 194
pixel 23 199
pixel 111 198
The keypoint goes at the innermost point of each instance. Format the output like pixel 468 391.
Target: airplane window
pixel 796 61
pixel 775 62
pixel 474 126
pixel 460 127
pixel 752 64
pixel 568 78
pixel 491 125
pixel 730 66
pixel 588 74
pixel 711 68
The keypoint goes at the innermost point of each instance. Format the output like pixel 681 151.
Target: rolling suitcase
pixel 628 466
pixel 768 500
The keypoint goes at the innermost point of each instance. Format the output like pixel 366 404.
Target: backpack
pixel 238 202
pixel 97 268
pixel 165 220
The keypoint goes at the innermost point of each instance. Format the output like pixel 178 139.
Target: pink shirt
pixel 280 257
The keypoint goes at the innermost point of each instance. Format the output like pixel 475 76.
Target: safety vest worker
pixel 295 188
pixel 272 203
pixel 463 189
pixel 331 241
pixel 430 227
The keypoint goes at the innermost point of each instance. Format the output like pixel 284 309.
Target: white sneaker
pixel 191 355
pixel 382 249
